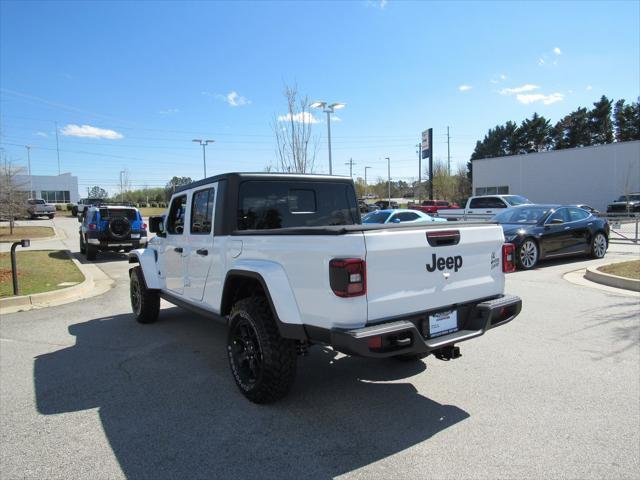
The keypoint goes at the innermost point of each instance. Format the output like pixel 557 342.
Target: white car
pixel 284 261
pixel 400 215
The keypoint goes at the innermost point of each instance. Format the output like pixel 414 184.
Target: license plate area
pixel 441 323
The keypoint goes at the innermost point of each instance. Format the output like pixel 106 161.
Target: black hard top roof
pixel 265 176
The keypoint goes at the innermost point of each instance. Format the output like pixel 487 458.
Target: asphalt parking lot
pixel 86 392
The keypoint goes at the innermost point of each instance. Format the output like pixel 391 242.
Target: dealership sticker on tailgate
pixel 442 323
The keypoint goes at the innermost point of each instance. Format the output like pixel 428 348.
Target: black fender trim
pixel 286 330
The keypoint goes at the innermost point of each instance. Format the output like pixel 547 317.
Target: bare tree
pixel 295 146
pixel 13 193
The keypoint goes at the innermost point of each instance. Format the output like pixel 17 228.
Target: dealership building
pixel 51 188
pixel 592 175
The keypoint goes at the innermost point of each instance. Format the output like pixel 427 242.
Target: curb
pixel 95 283
pixel 615 281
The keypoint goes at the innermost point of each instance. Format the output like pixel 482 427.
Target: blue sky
pixel 145 78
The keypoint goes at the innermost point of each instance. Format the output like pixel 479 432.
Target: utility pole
pixel 389 179
pixel 365 180
pixel 121 189
pixel 419 152
pixel 448 154
pixel 57 147
pixel 351 164
pixel 204 143
pixel 28 147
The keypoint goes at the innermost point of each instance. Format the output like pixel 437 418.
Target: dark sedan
pixel 548 231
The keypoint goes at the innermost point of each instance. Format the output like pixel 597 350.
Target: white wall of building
pixel 592 175
pixel 42 184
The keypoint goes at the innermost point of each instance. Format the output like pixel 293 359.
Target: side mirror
pixel 156 225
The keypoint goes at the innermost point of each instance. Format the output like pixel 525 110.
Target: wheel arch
pixel 242 283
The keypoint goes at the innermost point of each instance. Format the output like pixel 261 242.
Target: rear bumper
pixel 410 335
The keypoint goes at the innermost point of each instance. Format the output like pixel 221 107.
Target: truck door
pixel 175 245
pixel 199 253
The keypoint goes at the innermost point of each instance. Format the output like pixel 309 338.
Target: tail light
pixel 144 226
pixel 92 226
pixel 348 277
pixel 508 258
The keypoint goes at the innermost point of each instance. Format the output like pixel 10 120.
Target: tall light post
pixel 28 147
pixel 122 172
pixel 389 178
pixel 328 109
pixel 365 180
pixel 204 143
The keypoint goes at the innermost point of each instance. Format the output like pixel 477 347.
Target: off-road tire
pixel 599 245
pixel 274 357
pixel 51 216
pixel 411 357
pixel 145 303
pixel 91 251
pixel 83 247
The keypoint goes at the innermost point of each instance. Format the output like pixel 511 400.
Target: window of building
pixel 502 190
pixel 55 196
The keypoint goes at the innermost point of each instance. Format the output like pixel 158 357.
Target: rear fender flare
pixel 275 283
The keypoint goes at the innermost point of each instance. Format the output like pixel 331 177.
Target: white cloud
pixel 501 78
pixel 589 88
pixel 527 87
pixel 42 134
pixel 234 99
pixel 557 51
pixel 335 118
pixel 168 111
pixel 465 88
pixel 381 4
pixel 87 131
pixel 539 97
pixel 301 117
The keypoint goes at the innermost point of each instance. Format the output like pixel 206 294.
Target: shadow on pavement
pixel 170 408
pixel 102 257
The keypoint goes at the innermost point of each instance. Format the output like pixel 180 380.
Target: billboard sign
pixel 425 145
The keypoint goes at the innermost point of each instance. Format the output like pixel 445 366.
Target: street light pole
pixel 328 109
pixel 204 143
pixel 365 180
pixel 28 147
pixel 389 178
pixel 122 172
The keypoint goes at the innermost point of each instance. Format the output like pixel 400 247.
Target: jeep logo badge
pixel 441 263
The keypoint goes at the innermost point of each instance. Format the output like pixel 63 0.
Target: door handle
pixel 487 211
pixel 567 228
pixel 202 251
pixel 177 249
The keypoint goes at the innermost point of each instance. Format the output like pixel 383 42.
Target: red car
pixel 432 206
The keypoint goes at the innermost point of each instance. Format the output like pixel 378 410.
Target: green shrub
pixel 69 207
pixel 58 207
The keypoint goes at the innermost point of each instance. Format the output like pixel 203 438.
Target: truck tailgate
pixel 405 274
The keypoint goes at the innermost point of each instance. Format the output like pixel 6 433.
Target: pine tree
pixel 600 125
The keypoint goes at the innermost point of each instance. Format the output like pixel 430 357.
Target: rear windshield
pixel 107 213
pixel 36 202
pixel 528 215
pixel 273 204
pixel 630 198
pixel 376 217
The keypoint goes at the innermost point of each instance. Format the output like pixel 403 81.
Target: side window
pixel 560 214
pixel 478 203
pixel 576 214
pixel 407 216
pixel 202 211
pixel 495 202
pixel 175 220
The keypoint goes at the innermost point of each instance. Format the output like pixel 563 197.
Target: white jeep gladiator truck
pixel 285 262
